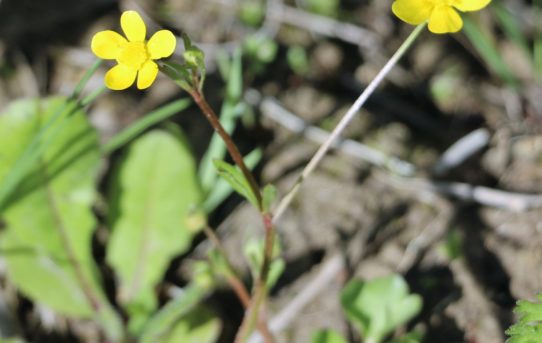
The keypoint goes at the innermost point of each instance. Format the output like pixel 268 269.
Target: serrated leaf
pixel 328 336
pixel 237 180
pixel 154 193
pixel 49 218
pixel 528 329
pixel 379 306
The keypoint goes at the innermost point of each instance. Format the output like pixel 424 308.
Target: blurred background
pixel 438 181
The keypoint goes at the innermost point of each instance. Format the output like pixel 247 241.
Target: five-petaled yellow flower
pixel 441 14
pixel 134 55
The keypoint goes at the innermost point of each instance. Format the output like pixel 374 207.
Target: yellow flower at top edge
pixel 135 56
pixel 441 14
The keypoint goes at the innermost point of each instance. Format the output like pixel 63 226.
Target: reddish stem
pixel 230 145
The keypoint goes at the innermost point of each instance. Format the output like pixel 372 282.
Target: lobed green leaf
pixel 379 306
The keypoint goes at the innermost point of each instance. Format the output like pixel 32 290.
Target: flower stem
pixel 92 96
pixel 232 148
pixel 313 163
pixel 83 82
pixel 252 317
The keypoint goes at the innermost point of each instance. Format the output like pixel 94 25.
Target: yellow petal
pixel 147 75
pixel 133 26
pixel 470 5
pixel 162 44
pixel 120 77
pixel 107 44
pixel 413 12
pixel 444 19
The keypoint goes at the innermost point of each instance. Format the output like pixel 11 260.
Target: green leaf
pixel 179 73
pixel 453 246
pixel 254 250
pixel 269 195
pixel 198 326
pixel 222 188
pixel 379 306
pixel 324 7
pixel 218 263
pixel 261 48
pixel 164 321
pixel 327 336
pixel 511 24
pixel 237 180
pixel 49 218
pixel 298 60
pixel 26 156
pixel 528 329
pixel 194 58
pixel 11 340
pixel 234 87
pixel 252 12
pixel 144 123
pixel 154 194
pixel 537 39
pixel 487 50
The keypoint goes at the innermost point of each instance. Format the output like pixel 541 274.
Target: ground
pixel 376 220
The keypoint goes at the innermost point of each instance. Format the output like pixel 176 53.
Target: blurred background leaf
pixel 488 51
pixel 379 306
pixel 328 336
pixel 49 220
pixel 198 326
pixel 154 193
pixel 528 329
pixel 175 317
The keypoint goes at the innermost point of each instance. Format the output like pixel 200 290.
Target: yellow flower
pixel 441 14
pixel 134 55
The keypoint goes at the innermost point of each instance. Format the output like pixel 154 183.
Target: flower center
pixel 133 55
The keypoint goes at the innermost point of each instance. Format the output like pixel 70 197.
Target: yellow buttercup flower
pixel 134 55
pixel 441 14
